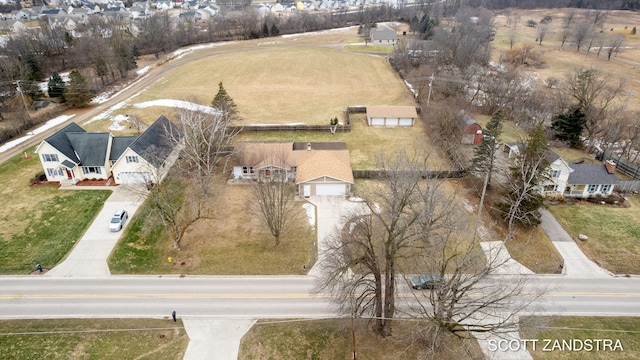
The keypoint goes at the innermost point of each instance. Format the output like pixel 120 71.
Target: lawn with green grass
pixel 40 225
pixel 614 232
pixel 370 49
pixel 92 339
pixel 542 328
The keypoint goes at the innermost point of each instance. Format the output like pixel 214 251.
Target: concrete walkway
pixel 89 256
pixel 576 263
pixel 213 339
pixel 498 254
pixel 506 345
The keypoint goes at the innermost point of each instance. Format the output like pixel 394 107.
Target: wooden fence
pixel 291 128
pixel 378 174
pixel 622 164
pixel 628 185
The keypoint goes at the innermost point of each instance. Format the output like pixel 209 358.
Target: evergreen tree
pixel 633 31
pixel 569 126
pixel 522 196
pixel 77 92
pixel 275 31
pixel 55 88
pixel 223 102
pixel 485 153
pixel 265 29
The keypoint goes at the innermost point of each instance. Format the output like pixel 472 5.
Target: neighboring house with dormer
pixel 73 154
pixel 316 169
pixel 557 176
pixel 383 35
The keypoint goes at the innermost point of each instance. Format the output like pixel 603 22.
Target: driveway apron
pixel 576 262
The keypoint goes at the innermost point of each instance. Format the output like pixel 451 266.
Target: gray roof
pixel 90 147
pixel 119 144
pixel 464 120
pixel 383 33
pixel 68 164
pixel 552 156
pixel 590 174
pixel 155 144
pixel 61 142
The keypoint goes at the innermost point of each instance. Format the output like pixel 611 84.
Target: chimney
pixel 308 146
pixel 611 166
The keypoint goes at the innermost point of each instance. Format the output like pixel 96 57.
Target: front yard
pixel 614 232
pixel 41 224
pixel 232 242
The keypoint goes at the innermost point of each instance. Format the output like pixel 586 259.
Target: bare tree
pixel 581 34
pixel 364 258
pixel 568 18
pixel 595 94
pixel 598 17
pixel 512 38
pixel 542 31
pixel 274 198
pixel 565 33
pixel 206 138
pixel 614 45
pixel 155 33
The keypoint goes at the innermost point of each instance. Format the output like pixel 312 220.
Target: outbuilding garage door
pixel 134 177
pixel 330 189
pixel 406 122
pixel 377 121
pixel 392 122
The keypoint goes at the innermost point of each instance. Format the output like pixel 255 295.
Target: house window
pixel 267 173
pixel 551 188
pixel 131 159
pixel 294 169
pixel 50 157
pixel 54 172
pixel 88 170
pixel 592 189
pixel 605 188
pixel 246 170
pixel 555 173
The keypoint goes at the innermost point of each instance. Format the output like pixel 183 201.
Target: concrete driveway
pixel 576 263
pixel 330 212
pixel 89 256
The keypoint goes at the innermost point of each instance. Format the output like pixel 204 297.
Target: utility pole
pixel 26 108
pixel 430 86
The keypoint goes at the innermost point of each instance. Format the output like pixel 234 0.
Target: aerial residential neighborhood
pixel 320 180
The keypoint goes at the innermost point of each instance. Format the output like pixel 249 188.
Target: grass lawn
pixel 232 242
pixel 93 339
pixel 624 329
pixel 532 248
pixel 614 232
pixel 332 339
pixel 365 142
pixel 285 84
pixel 40 224
pixel 371 49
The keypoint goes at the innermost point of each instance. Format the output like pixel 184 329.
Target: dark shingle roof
pixel 155 144
pixel 61 142
pixel 552 156
pixel 590 174
pixel 119 144
pixel 465 120
pixel 90 147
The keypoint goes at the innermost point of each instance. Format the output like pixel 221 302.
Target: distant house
pixel 470 129
pixel 391 115
pixel 72 154
pixel 382 35
pixel 588 180
pixel 317 168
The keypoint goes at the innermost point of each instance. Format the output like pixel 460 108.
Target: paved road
pixel 235 297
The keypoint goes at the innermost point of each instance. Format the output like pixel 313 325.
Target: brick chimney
pixel 611 166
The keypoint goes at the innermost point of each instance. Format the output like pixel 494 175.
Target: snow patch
pixel 468 206
pixel 143 71
pixel 48 125
pixel 182 52
pixel 311 214
pixel 115 126
pixel 178 104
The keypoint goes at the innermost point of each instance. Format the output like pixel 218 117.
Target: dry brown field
pixel 560 60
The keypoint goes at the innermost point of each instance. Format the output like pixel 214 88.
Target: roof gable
pixel 61 142
pixel 155 144
pixel 119 144
pixel 91 148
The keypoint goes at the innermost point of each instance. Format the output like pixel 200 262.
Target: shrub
pixel 532 23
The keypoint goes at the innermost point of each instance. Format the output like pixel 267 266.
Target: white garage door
pixel 330 189
pixel 134 177
pixel 405 122
pixel 377 121
pixel 392 122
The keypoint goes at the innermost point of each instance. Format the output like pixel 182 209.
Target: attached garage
pixel 134 177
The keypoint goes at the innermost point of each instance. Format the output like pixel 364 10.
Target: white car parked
pixel 118 220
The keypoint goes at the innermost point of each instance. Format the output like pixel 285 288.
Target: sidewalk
pixel 89 257
pixel 576 263
pixel 214 339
